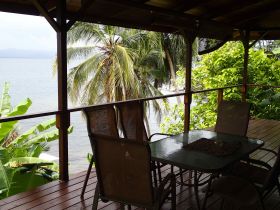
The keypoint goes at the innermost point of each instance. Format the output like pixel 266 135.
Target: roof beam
pixel 227 9
pixel 161 12
pixel 250 18
pixel 45 13
pixel 16 8
pixel 250 12
pixel 187 5
pixel 85 5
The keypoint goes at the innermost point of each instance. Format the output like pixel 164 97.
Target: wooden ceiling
pixel 218 19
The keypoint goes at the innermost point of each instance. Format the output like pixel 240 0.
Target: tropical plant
pixel 224 68
pixel 20 166
pixel 106 72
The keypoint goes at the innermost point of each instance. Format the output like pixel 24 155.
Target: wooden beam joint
pixel 46 14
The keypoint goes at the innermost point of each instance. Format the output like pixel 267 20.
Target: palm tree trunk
pixel 172 73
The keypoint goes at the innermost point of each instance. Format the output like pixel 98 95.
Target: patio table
pixel 173 150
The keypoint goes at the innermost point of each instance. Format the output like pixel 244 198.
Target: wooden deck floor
pixel 58 195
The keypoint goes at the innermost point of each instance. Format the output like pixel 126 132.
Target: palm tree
pixel 116 64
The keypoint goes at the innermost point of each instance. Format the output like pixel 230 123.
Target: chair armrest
pixel 268 150
pixel 259 162
pixel 162 134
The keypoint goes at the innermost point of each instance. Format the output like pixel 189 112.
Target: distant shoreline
pixel 22 53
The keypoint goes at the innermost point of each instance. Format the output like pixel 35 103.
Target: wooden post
pixel 220 95
pixel 63 118
pixel 245 42
pixel 189 39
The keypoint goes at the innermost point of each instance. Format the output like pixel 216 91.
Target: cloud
pixel 26 32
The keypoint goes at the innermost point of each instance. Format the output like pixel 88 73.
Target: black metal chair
pixel 100 120
pixel 249 184
pixel 123 170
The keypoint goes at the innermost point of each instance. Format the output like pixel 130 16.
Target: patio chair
pixel 132 122
pixel 233 118
pixel 249 183
pixel 100 120
pixel 123 170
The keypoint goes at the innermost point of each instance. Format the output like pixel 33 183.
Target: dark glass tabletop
pixel 173 150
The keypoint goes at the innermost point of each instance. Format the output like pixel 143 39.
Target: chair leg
pixel 122 206
pixel 278 187
pixel 222 204
pixel 87 177
pixel 262 204
pixel 95 197
pixel 181 175
pixel 154 173
pixel 159 171
pixel 173 193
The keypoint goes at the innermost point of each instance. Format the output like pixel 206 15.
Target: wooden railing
pixel 66 114
pixel 220 93
pixel 49 113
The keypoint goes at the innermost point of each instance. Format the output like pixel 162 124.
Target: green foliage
pixel 222 68
pixel 173 123
pixel 21 168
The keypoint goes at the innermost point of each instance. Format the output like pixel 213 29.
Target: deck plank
pixel 66 195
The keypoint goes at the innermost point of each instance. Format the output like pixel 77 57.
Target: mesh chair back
pixel 272 177
pixel 102 120
pixel 132 120
pixel 123 170
pixel 233 118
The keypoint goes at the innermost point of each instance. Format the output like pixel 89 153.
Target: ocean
pixel 33 78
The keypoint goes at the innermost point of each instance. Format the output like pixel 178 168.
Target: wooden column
pixel 189 39
pixel 63 118
pixel 220 95
pixel 246 46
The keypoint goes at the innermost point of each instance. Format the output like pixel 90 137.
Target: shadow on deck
pixel 59 195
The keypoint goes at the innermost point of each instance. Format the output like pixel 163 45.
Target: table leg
pixel 207 191
pixel 196 189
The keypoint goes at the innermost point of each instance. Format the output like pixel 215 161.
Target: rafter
pixel 187 5
pixel 261 13
pixel 46 14
pixel 85 5
pixel 224 9
pixel 250 12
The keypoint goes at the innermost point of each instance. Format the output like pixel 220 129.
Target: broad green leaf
pixel 265 102
pixel 276 51
pixel 34 131
pixel 7 127
pixel 27 162
pixel 5 102
pixel 22 182
pixel 21 108
pixel 46 137
pixel 4 155
pixel 4 181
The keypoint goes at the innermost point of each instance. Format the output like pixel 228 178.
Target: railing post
pixel 220 95
pixel 245 42
pixel 63 118
pixel 189 39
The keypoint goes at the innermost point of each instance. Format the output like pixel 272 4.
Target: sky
pixel 26 32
